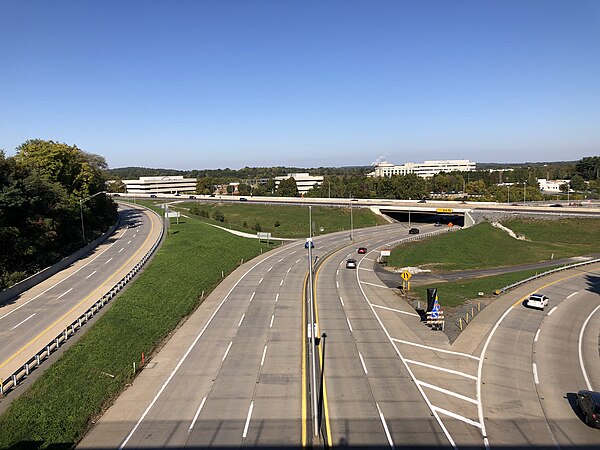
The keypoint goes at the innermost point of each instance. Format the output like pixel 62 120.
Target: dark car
pixel 422 201
pixel 362 250
pixel 152 195
pixel 589 404
pixel 556 205
pixel 312 244
pixel 413 231
pixel 192 197
pixel 350 264
pixel 243 199
pixel 116 195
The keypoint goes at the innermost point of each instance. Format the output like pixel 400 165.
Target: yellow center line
pixel 31 342
pixel 325 404
pixel 522 299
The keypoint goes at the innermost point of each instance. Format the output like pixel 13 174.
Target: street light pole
pixel 524 190
pixel 351 223
pixel 81 211
pixel 508 187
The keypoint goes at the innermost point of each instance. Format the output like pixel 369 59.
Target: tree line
pixel 45 189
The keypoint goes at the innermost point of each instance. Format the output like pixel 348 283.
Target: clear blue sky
pixel 199 84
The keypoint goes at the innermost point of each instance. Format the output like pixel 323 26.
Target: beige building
pixel 304 181
pixel 161 185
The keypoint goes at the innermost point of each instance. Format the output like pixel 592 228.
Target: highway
pixel 235 372
pixel 31 320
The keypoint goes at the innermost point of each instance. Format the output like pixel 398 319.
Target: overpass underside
pixel 411 216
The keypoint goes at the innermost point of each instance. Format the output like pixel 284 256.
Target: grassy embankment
pixel 484 246
pixel 286 221
pixel 58 407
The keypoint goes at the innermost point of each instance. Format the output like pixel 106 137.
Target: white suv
pixel 537 301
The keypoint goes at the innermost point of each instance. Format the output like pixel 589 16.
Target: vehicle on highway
pixel 362 250
pixel 312 244
pixel 588 403
pixel 350 264
pixel 413 231
pixel 116 195
pixel 192 197
pixel 437 224
pixel 539 301
pixel 152 195
pixel 422 201
pixel 243 199
pixel 556 205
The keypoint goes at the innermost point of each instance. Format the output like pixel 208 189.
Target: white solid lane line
pixel 245 433
pixel 456 416
pixel 362 361
pixel 535 374
pixel 349 325
pixel 227 351
pixel 196 415
pixel 241 319
pixel 272 319
pixel 90 274
pixel 447 392
pixel 571 295
pixel 435 349
pixel 364 268
pixel 442 369
pixel 385 427
pixel 262 360
pixel 396 310
pixel 580 349
pixel 63 294
pixel 22 322
pixel 373 284
pixel 109 260
pixel 537 335
pixel 552 310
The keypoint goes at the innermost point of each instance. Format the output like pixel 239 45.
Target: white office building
pixel 425 169
pixel 304 181
pixel 161 185
pixel 551 186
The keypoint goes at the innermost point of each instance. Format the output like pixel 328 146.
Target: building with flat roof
pixel 161 185
pixel 304 181
pixel 425 169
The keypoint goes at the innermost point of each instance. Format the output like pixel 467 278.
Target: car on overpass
pixel 413 231
pixel 537 300
pixel 589 405
pixel 351 264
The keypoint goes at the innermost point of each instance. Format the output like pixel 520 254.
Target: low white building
pixel 161 185
pixel 426 169
pixel 304 181
pixel 551 186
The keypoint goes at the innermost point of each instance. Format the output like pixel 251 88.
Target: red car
pixel 362 250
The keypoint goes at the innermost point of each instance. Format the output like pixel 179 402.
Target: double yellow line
pixel 304 353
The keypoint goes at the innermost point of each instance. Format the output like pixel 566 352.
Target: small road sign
pixel 406 275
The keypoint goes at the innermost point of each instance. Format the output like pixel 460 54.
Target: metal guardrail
pixel 544 274
pixel 43 354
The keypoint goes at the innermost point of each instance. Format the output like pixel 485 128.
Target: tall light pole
pixel 351 223
pixel 568 189
pixel 524 190
pixel 508 187
pixel 81 211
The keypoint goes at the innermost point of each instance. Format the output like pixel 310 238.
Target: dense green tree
pixel 589 168
pixel 42 192
pixel 244 189
pixel 287 188
pixel 205 186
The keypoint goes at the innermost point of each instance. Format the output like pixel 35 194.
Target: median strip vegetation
pixel 60 406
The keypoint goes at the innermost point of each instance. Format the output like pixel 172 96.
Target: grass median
pixel 57 410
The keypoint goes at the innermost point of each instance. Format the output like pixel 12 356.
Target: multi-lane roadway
pixel 32 319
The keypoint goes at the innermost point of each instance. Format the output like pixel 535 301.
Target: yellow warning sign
pixel 406 275
pixel 444 210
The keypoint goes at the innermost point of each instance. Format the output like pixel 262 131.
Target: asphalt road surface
pixel 234 375
pixel 29 321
